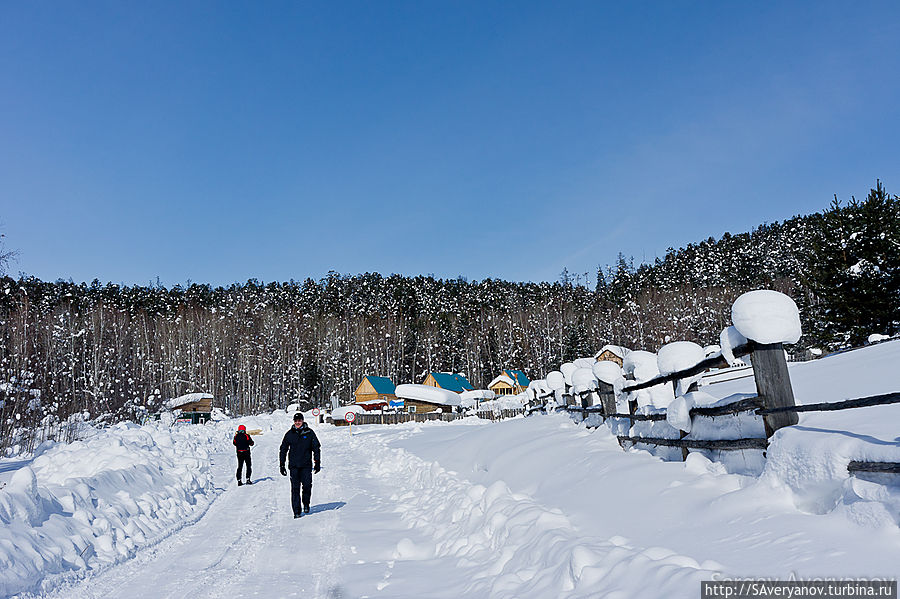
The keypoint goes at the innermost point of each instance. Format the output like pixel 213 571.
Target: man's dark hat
pixel 298 416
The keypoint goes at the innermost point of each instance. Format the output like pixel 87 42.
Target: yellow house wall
pixel 500 385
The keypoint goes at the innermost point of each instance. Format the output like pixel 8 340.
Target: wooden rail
pixel 717 444
pixel 863 402
pixel 745 405
pixel 698 368
pixel 891 467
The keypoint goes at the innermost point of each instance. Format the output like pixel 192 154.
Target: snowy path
pixel 246 545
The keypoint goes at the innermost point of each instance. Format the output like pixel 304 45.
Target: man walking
pixel 242 441
pixel 301 446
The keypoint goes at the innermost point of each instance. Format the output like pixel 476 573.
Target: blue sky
pixel 217 142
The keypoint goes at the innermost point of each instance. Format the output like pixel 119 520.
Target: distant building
pixel 451 382
pixel 196 408
pixel 612 353
pixel 419 399
pixel 509 382
pixel 375 390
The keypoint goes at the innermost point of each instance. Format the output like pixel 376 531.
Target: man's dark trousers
pixel 300 477
pixel 243 457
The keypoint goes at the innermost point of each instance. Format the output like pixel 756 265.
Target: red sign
pixel 315 411
pixel 351 416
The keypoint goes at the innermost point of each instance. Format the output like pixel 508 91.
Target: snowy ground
pixel 529 507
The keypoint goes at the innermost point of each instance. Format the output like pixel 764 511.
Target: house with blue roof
pixel 376 389
pixel 451 382
pixel 509 382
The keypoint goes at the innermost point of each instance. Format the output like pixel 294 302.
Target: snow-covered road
pixel 525 508
pixel 450 510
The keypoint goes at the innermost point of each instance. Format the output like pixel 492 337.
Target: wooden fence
pixel 774 402
pixel 400 417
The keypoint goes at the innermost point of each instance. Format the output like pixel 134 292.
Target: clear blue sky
pixel 220 141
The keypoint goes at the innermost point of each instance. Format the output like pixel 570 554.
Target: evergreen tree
pixel 853 272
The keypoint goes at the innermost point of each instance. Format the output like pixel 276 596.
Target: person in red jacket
pixel 242 441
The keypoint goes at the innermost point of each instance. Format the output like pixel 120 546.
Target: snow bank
pixel 469 399
pixel 766 316
pixel 341 412
pixel 811 462
pixel 427 393
pixel 92 503
pixel 508 544
pixel 504 402
pixel 478 394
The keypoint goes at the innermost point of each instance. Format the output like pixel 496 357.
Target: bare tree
pixel 6 256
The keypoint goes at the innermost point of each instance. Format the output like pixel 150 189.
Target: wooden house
pixel 509 382
pixel 375 389
pixel 451 382
pixel 418 399
pixel 612 353
pixel 196 408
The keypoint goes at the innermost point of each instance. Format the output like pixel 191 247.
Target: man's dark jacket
pixel 299 445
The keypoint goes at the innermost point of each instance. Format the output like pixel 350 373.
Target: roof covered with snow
pixel 613 349
pixel 428 394
pixel 188 398
pixel 501 379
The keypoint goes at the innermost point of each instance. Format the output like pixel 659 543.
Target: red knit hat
pixel 242 428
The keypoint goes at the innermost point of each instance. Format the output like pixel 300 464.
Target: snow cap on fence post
pixel 767 317
pixel 641 364
pixel 606 371
pixel 680 355
pixel 584 378
pixel 556 380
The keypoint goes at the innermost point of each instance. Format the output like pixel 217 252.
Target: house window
pixel 411 409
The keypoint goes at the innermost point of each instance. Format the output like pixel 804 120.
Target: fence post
pixel 607 398
pixel 773 385
pixel 587 400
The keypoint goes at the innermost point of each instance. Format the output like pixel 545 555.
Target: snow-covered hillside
pixel 528 507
